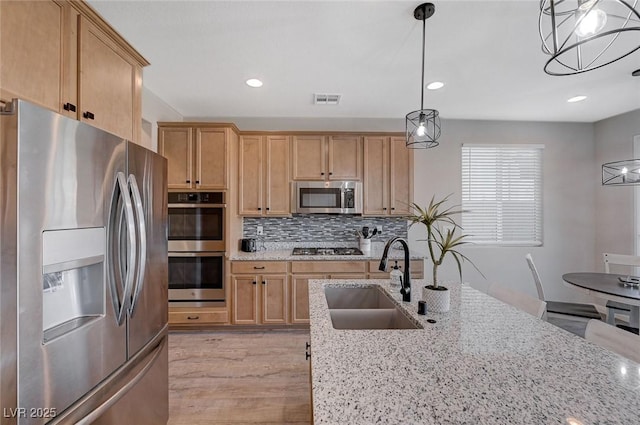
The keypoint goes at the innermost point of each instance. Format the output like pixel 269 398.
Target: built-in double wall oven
pixel 196 248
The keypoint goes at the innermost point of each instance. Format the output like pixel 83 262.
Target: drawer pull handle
pixel 193 317
pixel 69 107
pixel 258 268
pixel 88 115
pixel 308 346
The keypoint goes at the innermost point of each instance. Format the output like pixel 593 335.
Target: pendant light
pixel 582 35
pixel 423 125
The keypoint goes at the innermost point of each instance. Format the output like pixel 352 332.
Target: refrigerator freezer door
pixel 65 178
pixel 149 306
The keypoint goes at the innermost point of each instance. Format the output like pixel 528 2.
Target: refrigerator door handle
pixel 142 234
pixel 121 306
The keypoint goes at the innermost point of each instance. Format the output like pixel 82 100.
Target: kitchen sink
pixel 365 308
pixel 378 318
pixel 357 298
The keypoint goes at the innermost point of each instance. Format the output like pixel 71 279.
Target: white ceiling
pixel 487 52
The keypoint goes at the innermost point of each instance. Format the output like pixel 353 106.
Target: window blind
pixel 502 194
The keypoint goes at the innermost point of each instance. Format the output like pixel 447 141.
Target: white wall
pixel 614 204
pixel 154 109
pixel 568 201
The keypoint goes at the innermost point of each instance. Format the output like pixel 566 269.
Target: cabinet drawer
pixel 258 267
pixel 328 267
pixel 184 317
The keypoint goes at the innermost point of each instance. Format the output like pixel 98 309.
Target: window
pixel 502 194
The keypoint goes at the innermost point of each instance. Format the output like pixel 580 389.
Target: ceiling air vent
pixel 326 99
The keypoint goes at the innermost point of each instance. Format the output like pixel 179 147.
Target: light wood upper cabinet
pixel 176 144
pixel 211 156
pixel 197 157
pixel 388 176
pixel 35 51
pixel 106 84
pixel 264 176
pixel 62 55
pixel 327 158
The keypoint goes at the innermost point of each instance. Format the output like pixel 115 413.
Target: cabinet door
pixel 211 158
pixel 376 175
pixel 250 175
pixel 245 300
pixel 107 83
pixel 401 177
pixel 274 299
pixel 300 297
pixel 345 158
pixel 277 189
pixel 35 52
pixel 176 145
pixel 309 158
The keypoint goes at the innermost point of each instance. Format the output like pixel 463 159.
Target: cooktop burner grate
pixel 326 251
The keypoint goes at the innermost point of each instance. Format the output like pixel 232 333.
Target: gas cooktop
pixel 326 251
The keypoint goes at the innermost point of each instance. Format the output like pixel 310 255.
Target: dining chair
pixel 614 339
pixel 614 307
pixel 520 300
pixel 577 310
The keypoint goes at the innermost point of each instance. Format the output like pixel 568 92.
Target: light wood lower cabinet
pixel 259 293
pixel 263 292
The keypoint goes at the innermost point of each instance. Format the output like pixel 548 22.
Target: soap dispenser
pixel 396 277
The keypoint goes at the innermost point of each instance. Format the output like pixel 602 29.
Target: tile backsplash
pixel 322 228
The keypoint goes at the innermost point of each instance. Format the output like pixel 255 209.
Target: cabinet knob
pixel 267 208
pixel 188 181
pixel 197 181
pixel 331 174
pixel 254 282
pixel 193 317
pixel 69 107
pixel 393 208
pixel 88 115
pixel 384 208
pixel 264 282
pixel 307 355
pixel 322 174
pixel 307 346
pixel 259 209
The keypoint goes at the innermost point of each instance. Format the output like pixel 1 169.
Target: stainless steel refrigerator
pixel 83 296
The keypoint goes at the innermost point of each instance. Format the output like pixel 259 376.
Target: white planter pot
pixel 438 300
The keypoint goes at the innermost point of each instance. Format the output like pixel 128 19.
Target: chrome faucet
pixel 406 280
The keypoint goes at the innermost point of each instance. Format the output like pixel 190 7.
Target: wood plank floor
pixel 230 377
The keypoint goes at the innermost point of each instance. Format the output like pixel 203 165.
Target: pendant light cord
pixel 424 22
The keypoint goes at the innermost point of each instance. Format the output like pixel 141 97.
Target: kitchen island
pixel 483 362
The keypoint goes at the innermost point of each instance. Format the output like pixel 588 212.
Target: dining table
pixel 609 286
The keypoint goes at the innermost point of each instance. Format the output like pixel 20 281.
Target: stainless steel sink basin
pixel 379 318
pixel 365 308
pixel 357 298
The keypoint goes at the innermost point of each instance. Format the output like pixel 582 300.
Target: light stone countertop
pixel 285 255
pixel 483 362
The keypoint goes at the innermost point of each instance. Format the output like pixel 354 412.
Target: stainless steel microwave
pixel 330 197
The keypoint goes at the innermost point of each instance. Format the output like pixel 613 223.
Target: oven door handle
pixel 197 205
pixel 197 254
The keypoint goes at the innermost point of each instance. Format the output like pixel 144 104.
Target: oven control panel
pixel 196 197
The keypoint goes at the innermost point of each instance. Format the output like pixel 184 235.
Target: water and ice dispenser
pixel 73 281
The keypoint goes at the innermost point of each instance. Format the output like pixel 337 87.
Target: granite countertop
pixel 483 362
pixel 285 255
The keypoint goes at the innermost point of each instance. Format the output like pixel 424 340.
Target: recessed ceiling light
pixel 254 82
pixel 435 85
pixel 576 99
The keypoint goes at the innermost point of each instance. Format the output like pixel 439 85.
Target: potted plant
pixel 440 241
